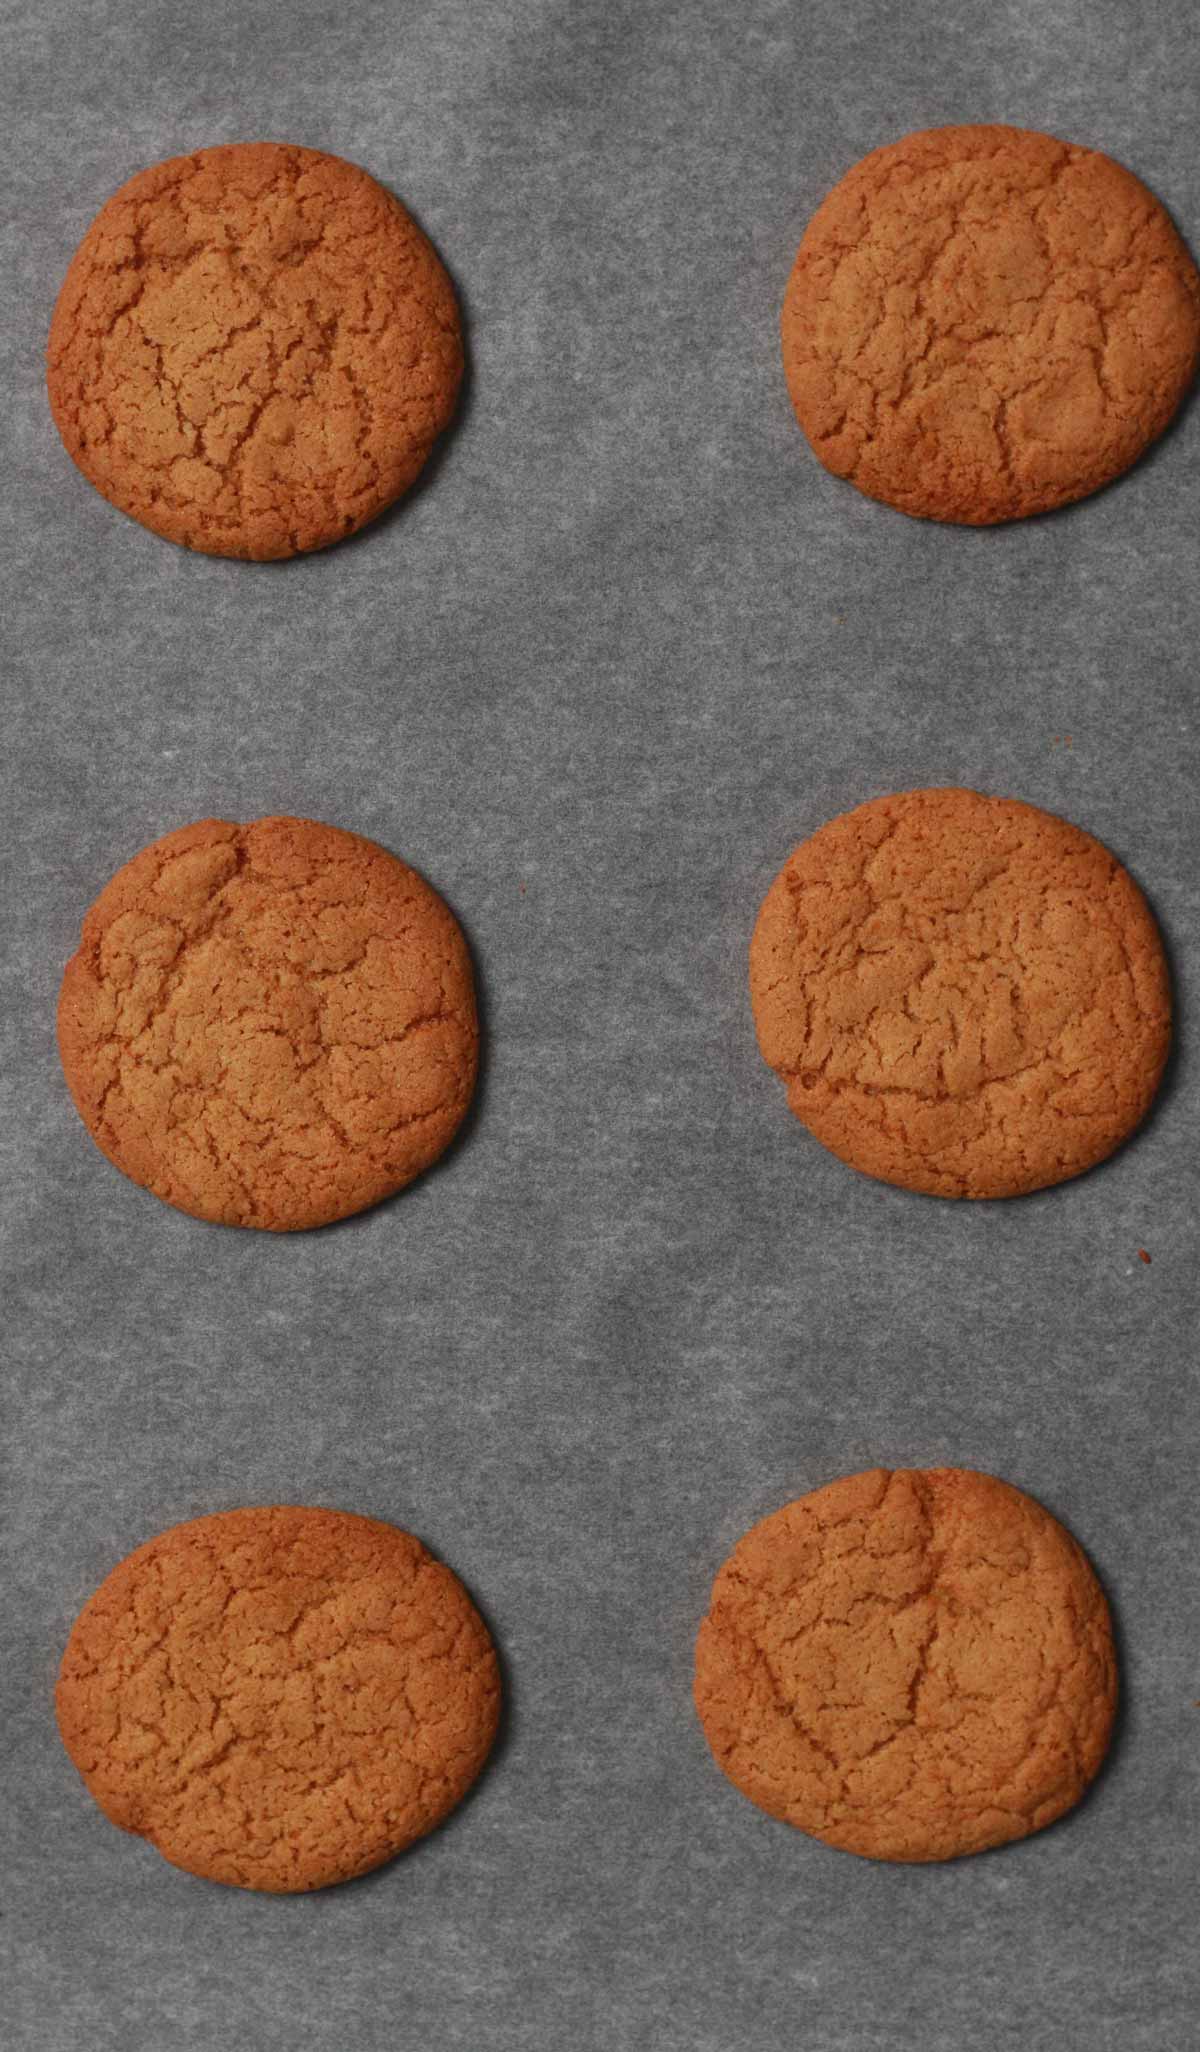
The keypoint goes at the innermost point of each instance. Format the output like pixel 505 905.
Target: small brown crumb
pixel 1143 1256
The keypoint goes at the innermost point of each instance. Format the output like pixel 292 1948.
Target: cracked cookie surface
pixel 279 1698
pixel 984 323
pixel 254 350
pixel 269 1025
pixel 964 995
pixel 909 1665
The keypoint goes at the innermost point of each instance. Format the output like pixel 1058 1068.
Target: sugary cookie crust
pixel 908 1665
pixel 279 1698
pixel 254 350
pixel 984 323
pixel 964 995
pixel 269 1025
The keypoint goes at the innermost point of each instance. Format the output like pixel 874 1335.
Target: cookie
pixel 269 1025
pixel 279 1698
pixel 908 1665
pixel 254 350
pixel 984 323
pixel 964 995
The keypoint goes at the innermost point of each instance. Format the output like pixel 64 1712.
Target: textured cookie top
pixel 279 1698
pixel 964 995
pixel 909 1665
pixel 270 1025
pixel 984 323
pixel 253 350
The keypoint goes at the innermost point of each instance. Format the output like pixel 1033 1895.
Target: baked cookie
pixel 269 1025
pixel 964 995
pixel 909 1666
pixel 279 1698
pixel 254 350
pixel 984 323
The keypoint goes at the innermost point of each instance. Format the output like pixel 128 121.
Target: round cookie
pixel 984 323
pixel 908 1665
pixel 279 1698
pixel 269 1025
pixel 254 350
pixel 964 995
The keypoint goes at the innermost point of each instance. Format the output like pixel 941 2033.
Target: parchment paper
pixel 625 646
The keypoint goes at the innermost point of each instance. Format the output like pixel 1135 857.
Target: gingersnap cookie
pixel 254 350
pixel 908 1665
pixel 984 323
pixel 963 995
pixel 279 1698
pixel 269 1025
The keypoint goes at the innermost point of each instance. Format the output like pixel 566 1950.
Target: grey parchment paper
pixel 624 647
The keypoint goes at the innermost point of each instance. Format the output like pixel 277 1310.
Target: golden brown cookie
pixel 964 995
pixel 269 1025
pixel 984 323
pixel 254 350
pixel 279 1698
pixel 908 1665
